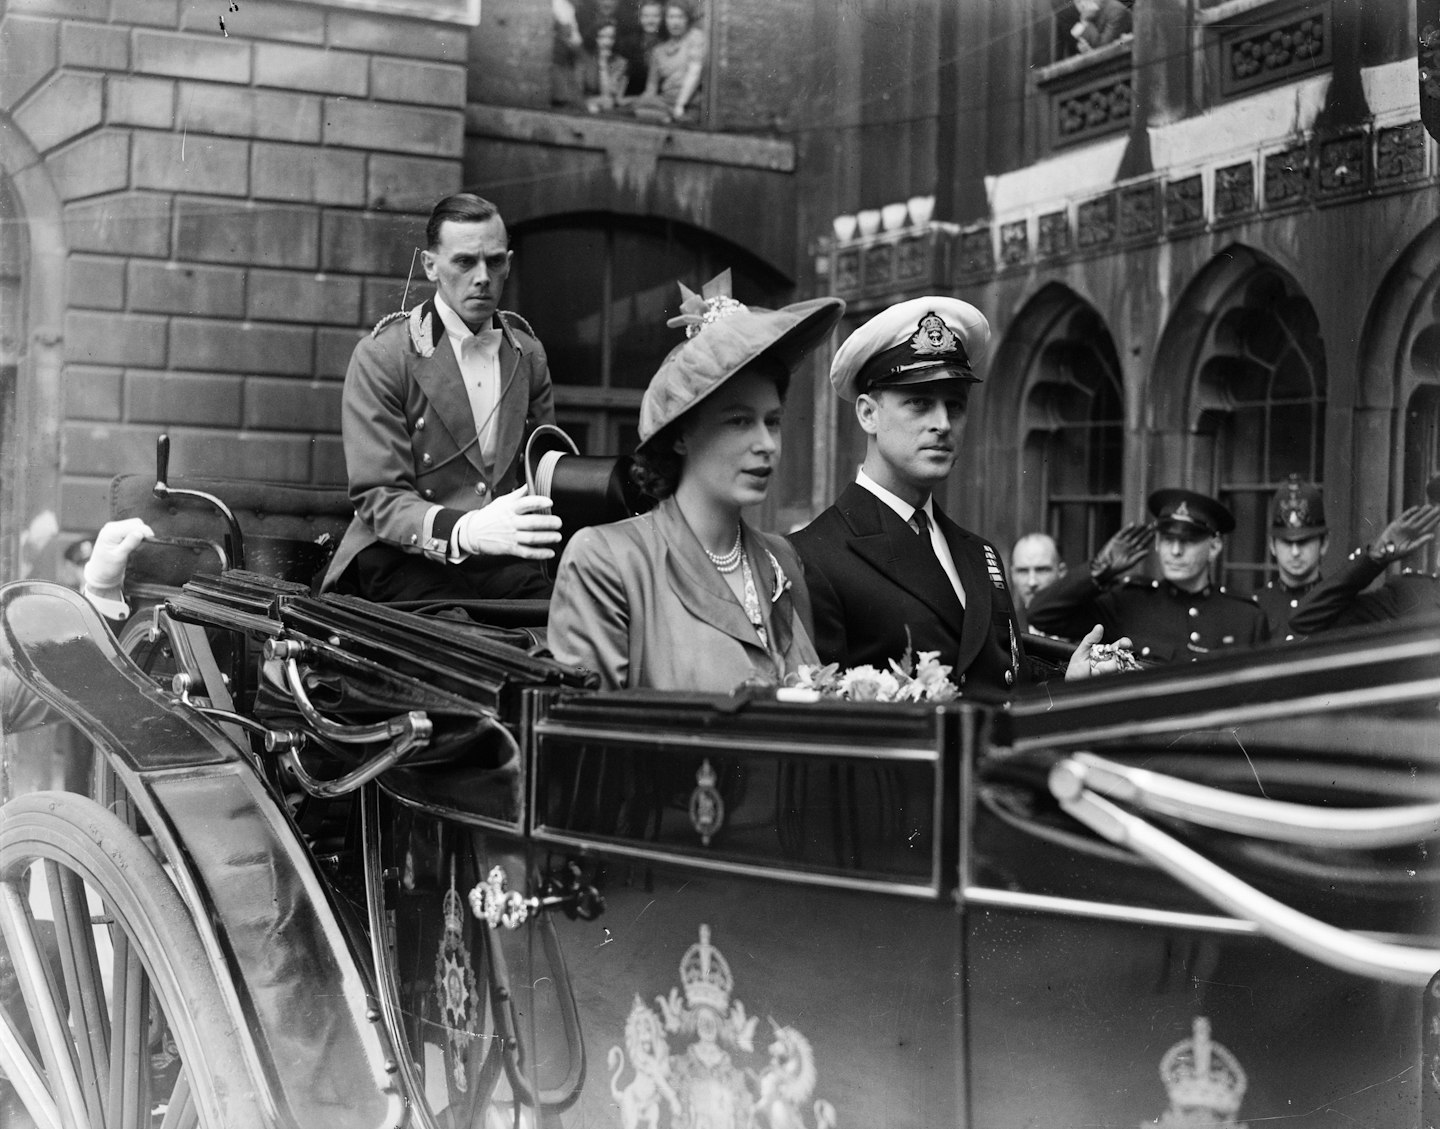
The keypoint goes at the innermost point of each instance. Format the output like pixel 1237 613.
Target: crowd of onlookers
pixel 640 58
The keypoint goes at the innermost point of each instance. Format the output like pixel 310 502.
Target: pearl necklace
pixel 726 563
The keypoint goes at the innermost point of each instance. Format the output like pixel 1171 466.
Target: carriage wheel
pixel 122 1023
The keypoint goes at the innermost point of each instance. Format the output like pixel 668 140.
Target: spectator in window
pixel 676 66
pixel 651 14
pixel 604 73
pixel 1035 563
pixel 566 54
pixel 1411 597
pixel 1100 22
pixel 1183 616
pixel 1298 540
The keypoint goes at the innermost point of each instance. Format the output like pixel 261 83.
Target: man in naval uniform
pixel 437 403
pixel 1299 538
pixel 886 568
pixel 1411 597
pixel 1183 616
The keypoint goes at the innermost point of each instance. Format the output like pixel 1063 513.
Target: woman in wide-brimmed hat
pixel 688 596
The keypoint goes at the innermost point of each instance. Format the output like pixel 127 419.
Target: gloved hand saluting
pixel 105 570
pixel 1122 552
pixel 1408 532
pixel 518 524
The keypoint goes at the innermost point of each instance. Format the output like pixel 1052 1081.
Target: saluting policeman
pixel 1184 616
pixel 1299 538
pixel 885 567
pixel 437 403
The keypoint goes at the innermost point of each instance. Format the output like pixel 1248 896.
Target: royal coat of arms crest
pixel 711 1083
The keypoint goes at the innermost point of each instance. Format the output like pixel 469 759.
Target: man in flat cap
pixel 1183 616
pixel 1412 596
pixel 885 567
pixel 1298 540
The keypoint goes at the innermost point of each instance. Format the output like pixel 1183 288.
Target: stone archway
pixel 33 264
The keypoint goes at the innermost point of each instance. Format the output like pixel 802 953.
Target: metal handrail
pixel 1326 943
pixel 1276 820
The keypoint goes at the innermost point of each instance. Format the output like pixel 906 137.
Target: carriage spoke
pixel 180 1113
pixel 40 991
pixel 80 964
pixel 130 1026
pixel 25 1075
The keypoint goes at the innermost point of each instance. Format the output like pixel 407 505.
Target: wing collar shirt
pixel 478 355
pixel 906 513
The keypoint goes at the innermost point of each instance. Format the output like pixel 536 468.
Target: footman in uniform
pixel 885 566
pixel 1184 616
pixel 437 403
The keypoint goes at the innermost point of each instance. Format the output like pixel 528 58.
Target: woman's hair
pixel 656 469
pixel 683 6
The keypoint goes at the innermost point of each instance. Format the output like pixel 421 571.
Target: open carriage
pixel 307 861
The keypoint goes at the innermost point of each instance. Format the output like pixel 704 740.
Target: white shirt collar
pixel 894 501
pixel 487 339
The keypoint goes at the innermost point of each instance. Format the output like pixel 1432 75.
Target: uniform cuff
pixel 109 602
pixel 437 529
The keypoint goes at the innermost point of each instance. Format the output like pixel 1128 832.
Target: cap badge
pixel 1293 518
pixel 933 337
pixel 1182 513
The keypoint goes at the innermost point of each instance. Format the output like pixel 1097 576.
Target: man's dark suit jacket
pixel 871 580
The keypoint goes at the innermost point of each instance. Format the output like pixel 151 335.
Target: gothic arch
pixel 32 228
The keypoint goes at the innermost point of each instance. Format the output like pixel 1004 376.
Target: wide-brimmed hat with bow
pixel 722 337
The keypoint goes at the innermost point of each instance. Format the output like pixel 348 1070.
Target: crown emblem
pixel 1182 513
pixel 707 806
pixel 933 336
pixel 1294 518
pixel 705 975
pixel 1205 1082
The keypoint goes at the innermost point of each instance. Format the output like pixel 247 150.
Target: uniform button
pixel 1294 603
pixel 1009 678
pixel 414 538
pixel 425 459
pixel 1228 640
pixel 1144 650
pixel 429 493
pixel 420 424
pixel 480 488
pixel 1194 636
pixel 1194 612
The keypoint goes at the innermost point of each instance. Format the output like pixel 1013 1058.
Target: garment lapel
pixel 694 580
pixel 891 547
pixel 509 424
pixel 438 377
pixel 969 557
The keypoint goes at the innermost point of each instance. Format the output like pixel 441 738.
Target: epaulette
pixel 510 316
pixel 388 319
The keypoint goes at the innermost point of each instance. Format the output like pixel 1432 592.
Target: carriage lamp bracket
pixel 276 740
pixel 493 902
pixel 413 728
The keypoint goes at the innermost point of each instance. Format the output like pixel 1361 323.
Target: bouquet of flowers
pixel 915 678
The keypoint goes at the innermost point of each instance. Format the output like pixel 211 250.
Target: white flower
pixel 866 684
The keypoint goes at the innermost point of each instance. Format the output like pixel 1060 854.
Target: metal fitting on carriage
pixel 281 650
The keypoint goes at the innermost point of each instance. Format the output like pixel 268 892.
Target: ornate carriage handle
pixel 1328 944
pixel 493 902
pixel 1249 815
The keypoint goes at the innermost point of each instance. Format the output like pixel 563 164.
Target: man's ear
pixel 1216 544
pixel 427 260
pixel 866 409
pixel 1060 571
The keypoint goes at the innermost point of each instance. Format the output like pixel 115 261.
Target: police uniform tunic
pixel 1165 623
pixel 1341 600
pixel 1279 603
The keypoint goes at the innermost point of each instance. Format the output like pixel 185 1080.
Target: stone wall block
pixel 107 449
pixel 71 9
pixel 64 107
pixel 381 36
pixel 93 337
pixel 205 345
pixel 209 231
pixel 261 19
pixel 310 68
pixel 292 405
pixel 409 184
pixel 307 174
pixel 186 288
pixel 92 392
pixel 371 243
pixel 333 348
pixel 94 165
pixel 134 223
pixel 145 102
pixel 184 162
pixel 309 298
pixel 29 50
pixel 101 47
pixel 152 13
pixel 404 80
pixel 393 128
pixel 271 114
pixel 172 398
pixel 225 454
pixel 328 461
pixel 385 295
pixel 212 57
pixel 85 502
pixel 95 282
